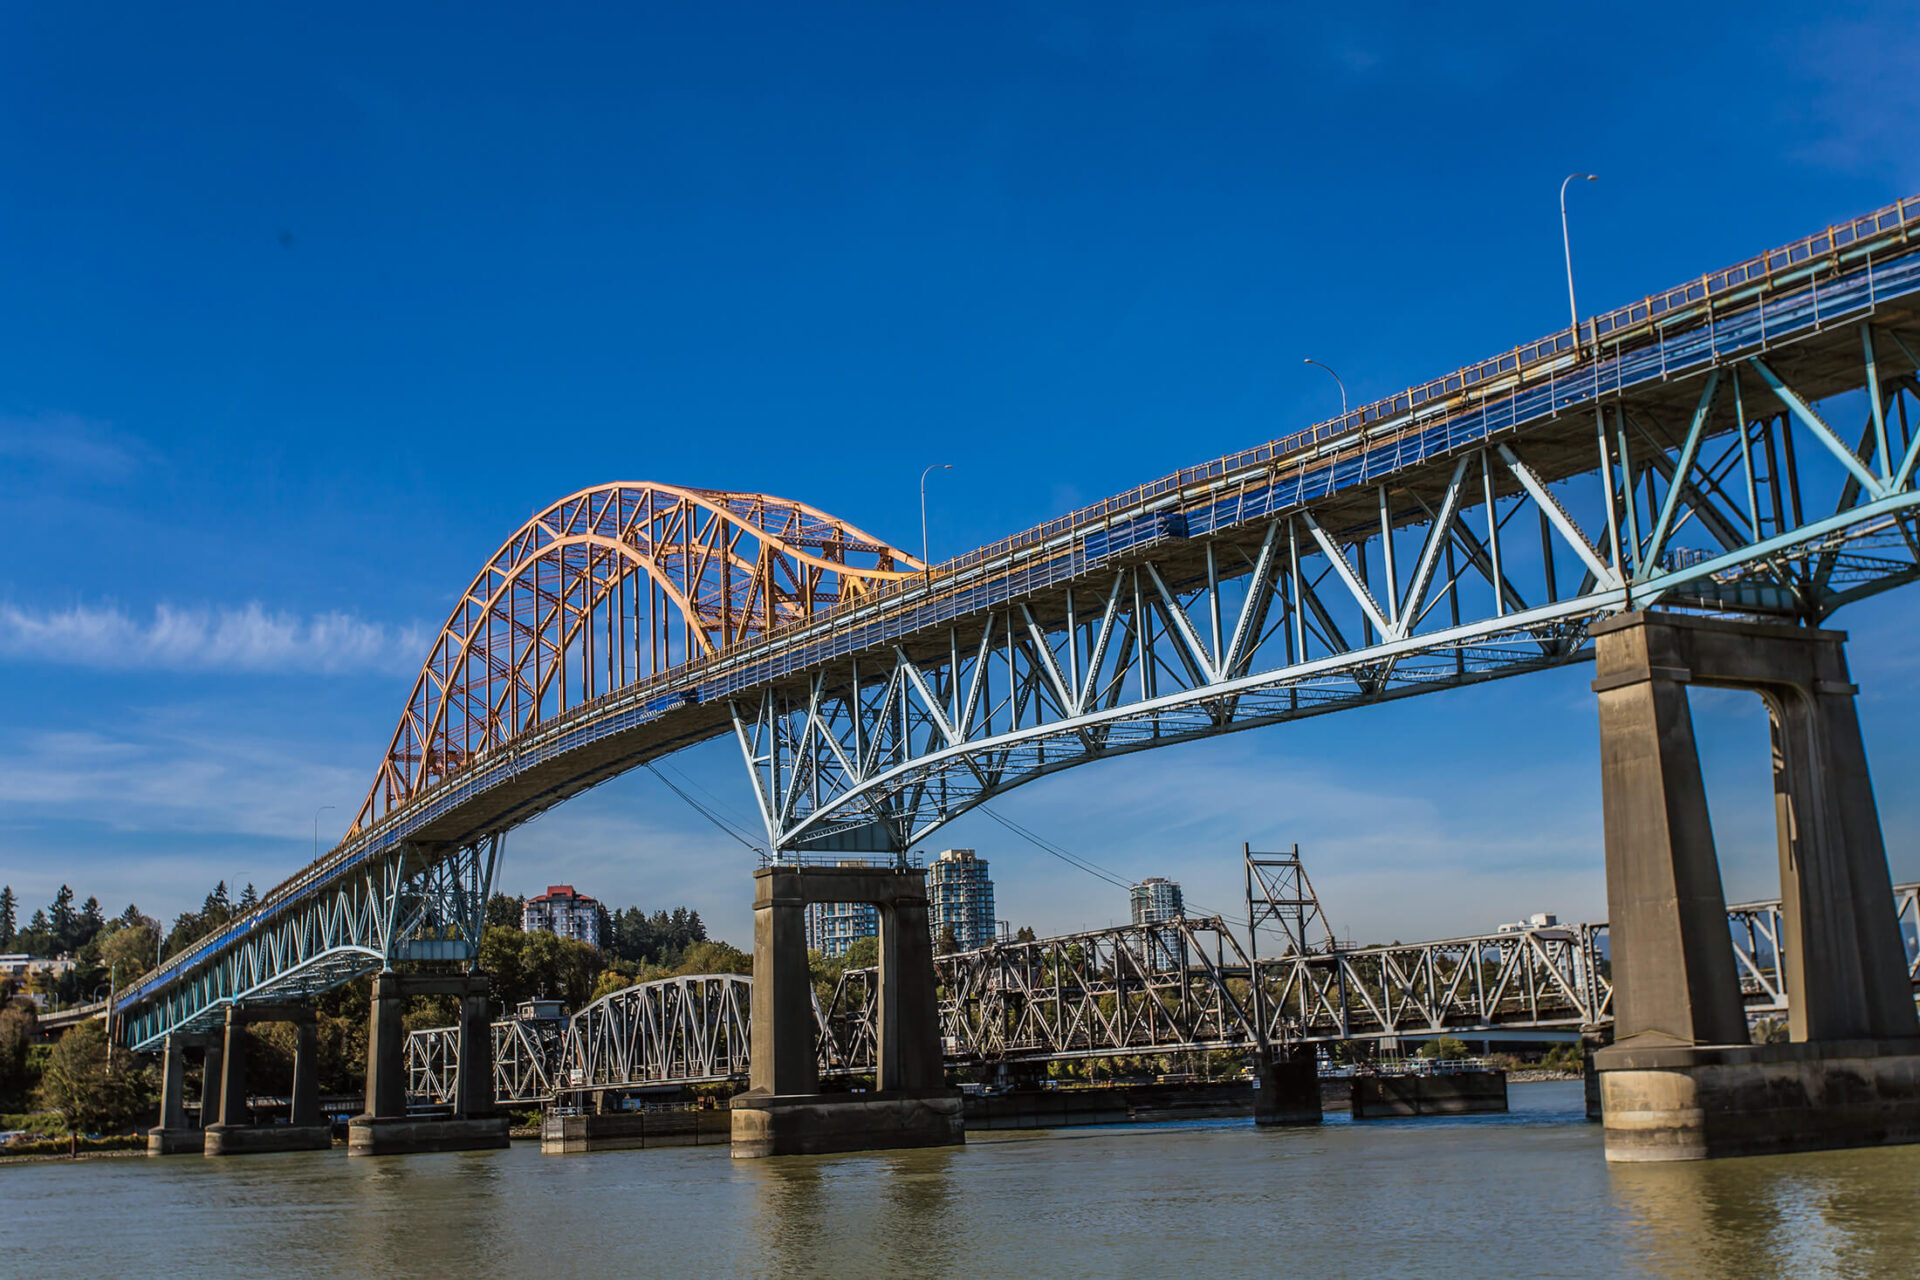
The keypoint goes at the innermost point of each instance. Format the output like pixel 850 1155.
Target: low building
pixel 960 898
pixel 565 911
pixel 1156 899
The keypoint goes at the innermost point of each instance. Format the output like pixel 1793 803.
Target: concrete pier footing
pixel 1681 1081
pixel 1753 1099
pixel 823 1123
pixel 1287 1090
pixel 384 1136
pixel 1457 1093
pixel 162 1141
pixel 252 1139
pixel 633 1130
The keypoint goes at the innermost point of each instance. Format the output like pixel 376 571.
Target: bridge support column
pixel 1682 1081
pixel 1286 1087
pixel 235 1133
pixel 473 1085
pixel 172 1136
pixel 210 1072
pixel 304 1100
pixel 386 1128
pixel 783 1113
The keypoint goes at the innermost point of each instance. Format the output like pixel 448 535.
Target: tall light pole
pixel 316 830
pixel 1566 247
pixel 1336 377
pixel 925 567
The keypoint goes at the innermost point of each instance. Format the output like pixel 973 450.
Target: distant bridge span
pixel 1671 452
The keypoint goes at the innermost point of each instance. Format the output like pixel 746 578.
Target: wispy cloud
pixel 70 445
pixel 207 639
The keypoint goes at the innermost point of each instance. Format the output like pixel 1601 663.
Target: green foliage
pixel 1441 1047
pixel 18 1030
pixel 663 938
pixel 862 953
pixel 94 1086
pixel 538 966
pixel 9 905
pixel 503 911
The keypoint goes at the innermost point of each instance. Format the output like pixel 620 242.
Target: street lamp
pixel 1336 377
pixel 1566 247
pixel 926 568
pixel 316 829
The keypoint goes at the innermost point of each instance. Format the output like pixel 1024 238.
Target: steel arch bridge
pixel 1677 451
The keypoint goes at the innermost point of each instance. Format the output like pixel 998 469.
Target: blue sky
pixel 305 310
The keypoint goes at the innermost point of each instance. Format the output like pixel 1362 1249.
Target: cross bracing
pixel 1178 986
pixel 1685 451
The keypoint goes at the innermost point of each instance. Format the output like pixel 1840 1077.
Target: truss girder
pixel 415 905
pixel 1683 451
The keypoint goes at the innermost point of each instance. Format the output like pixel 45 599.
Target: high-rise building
pixel 960 898
pixel 832 927
pixel 1155 899
pixel 564 911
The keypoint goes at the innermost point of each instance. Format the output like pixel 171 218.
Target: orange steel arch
pixel 606 587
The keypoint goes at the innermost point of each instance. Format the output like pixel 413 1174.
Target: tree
pixel 89 923
pixel 1026 934
pixel 60 921
pixel 18 1030
pixel 8 905
pixel 1443 1047
pixel 708 956
pixel 945 942
pixel 862 953
pixel 127 950
pixel 248 900
pixel 78 1083
pixel 503 911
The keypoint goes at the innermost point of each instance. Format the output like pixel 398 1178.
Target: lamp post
pixel 1566 247
pixel 925 567
pixel 316 830
pixel 1336 377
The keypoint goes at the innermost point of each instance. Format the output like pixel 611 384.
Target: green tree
pixel 8 906
pixel 61 920
pixel 503 911
pixel 945 942
pixel 89 923
pixel 94 1087
pixel 708 956
pixel 125 951
pixel 1026 934
pixel 538 966
pixel 1443 1047
pixel 862 953
pixel 18 1031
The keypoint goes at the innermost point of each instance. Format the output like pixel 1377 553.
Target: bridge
pixel 1589 496
pixel 1175 987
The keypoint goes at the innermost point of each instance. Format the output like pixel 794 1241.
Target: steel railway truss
pixel 1182 986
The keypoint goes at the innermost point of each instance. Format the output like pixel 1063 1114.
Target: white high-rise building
pixel 960 898
pixel 1155 899
pixel 832 927
pixel 563 911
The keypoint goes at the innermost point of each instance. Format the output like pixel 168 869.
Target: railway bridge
pixel 1665 490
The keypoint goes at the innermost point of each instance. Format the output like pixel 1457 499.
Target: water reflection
pixel 811 1213
pixel 1830 1213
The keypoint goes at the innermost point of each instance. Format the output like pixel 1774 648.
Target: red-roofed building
pixel 561 910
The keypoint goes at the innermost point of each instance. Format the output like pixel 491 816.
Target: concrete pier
pixel 172 1136
pixel 1682 1080
pixel 234 1132
pixel 1286 1090
pixel 784 1112
pixel 1456 1093
pixel 633 1130
pixel 385 1128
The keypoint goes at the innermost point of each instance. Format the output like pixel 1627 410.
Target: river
pixel 1524 1194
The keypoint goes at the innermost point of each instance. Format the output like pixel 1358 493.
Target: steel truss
pixel 417 904
pixel 1492 563
pixel 1680 451
pixel 1179 986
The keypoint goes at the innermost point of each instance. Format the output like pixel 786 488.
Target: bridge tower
pixel 783 1112
pixel 1682 1080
